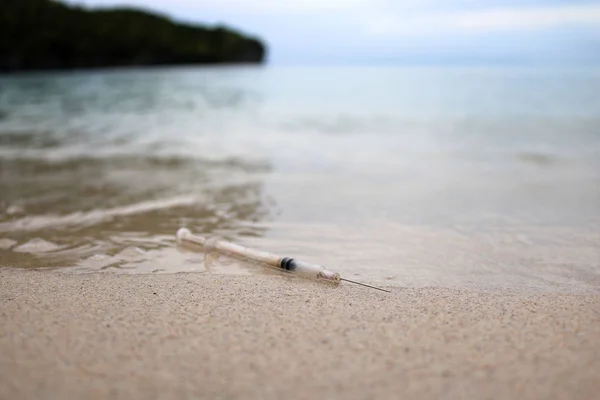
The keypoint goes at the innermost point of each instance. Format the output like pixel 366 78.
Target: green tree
pixel 46 34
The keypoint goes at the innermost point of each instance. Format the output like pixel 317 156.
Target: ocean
pixel 482 177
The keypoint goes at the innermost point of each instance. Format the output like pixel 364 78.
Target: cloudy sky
pixel 403 31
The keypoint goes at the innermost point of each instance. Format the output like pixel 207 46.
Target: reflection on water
pixel 483 177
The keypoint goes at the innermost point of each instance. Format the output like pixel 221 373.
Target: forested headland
pixel 47 34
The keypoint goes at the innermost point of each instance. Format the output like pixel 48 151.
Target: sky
pixel 322 32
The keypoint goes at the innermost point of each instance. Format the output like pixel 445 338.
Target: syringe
pixel 297 267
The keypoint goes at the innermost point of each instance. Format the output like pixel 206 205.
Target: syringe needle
pixel 364 284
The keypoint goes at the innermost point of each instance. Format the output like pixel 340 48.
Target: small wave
pixel 537 158
pixel 86 219
pixel 341 124
pixel 37 245
pixel 28 140
pixel 7 244
pixel 70 157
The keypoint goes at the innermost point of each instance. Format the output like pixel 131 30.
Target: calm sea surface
pixel 452 177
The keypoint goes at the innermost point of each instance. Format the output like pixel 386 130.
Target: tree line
pixel 47 34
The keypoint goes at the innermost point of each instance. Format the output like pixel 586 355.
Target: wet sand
pixel 192 335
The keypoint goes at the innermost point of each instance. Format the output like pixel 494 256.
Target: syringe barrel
pixel 238 251
pixel 297 267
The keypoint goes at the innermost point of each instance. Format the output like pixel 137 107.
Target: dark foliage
pixel 46 34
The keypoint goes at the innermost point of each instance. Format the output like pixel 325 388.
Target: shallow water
pixel 403 176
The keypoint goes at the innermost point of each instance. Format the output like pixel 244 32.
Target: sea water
pixel 485 177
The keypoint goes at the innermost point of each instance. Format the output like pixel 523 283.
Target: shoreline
pixel 268 337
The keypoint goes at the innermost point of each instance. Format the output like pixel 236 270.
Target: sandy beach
pixel 97 336
pixel 457 166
